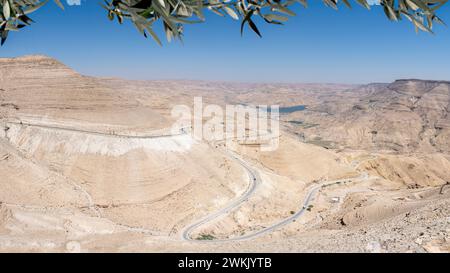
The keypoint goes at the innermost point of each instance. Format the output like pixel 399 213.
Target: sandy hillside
pixel 91 164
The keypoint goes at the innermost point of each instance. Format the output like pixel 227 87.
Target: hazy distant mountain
pixel 404 116
pixel 90 164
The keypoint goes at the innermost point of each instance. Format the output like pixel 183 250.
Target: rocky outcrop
pixel 39 86
pixel 405 116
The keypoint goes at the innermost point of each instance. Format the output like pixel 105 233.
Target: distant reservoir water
pixel 287 110
pixel 292 109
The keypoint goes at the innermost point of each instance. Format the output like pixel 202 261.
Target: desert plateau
pixel 90 164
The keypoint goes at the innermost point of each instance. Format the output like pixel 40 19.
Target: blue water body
pixel 284 110
pixel 292 109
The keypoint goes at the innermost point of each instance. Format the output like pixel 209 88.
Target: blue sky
pixel 318 45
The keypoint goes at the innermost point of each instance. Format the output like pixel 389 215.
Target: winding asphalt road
pixel 183 132
pixel 254 182
pixel 186 233
pixel 295 216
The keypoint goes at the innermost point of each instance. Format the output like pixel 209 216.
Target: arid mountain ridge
pixel 404 116
pixel 417 110
pixel 87 164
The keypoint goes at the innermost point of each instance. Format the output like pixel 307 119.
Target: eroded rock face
pixel 4 214
pixel 39 87
pixel 72 170
pixel 411 171
pixel 38 82
pixel 405 116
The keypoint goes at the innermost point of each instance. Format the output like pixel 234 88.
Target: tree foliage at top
pixel 175 13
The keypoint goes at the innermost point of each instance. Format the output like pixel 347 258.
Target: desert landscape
pixel 91 165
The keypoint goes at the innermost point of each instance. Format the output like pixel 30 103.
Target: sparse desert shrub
pixel 206 237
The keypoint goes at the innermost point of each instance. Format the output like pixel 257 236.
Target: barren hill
pixel 405 116
pixel 41 87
